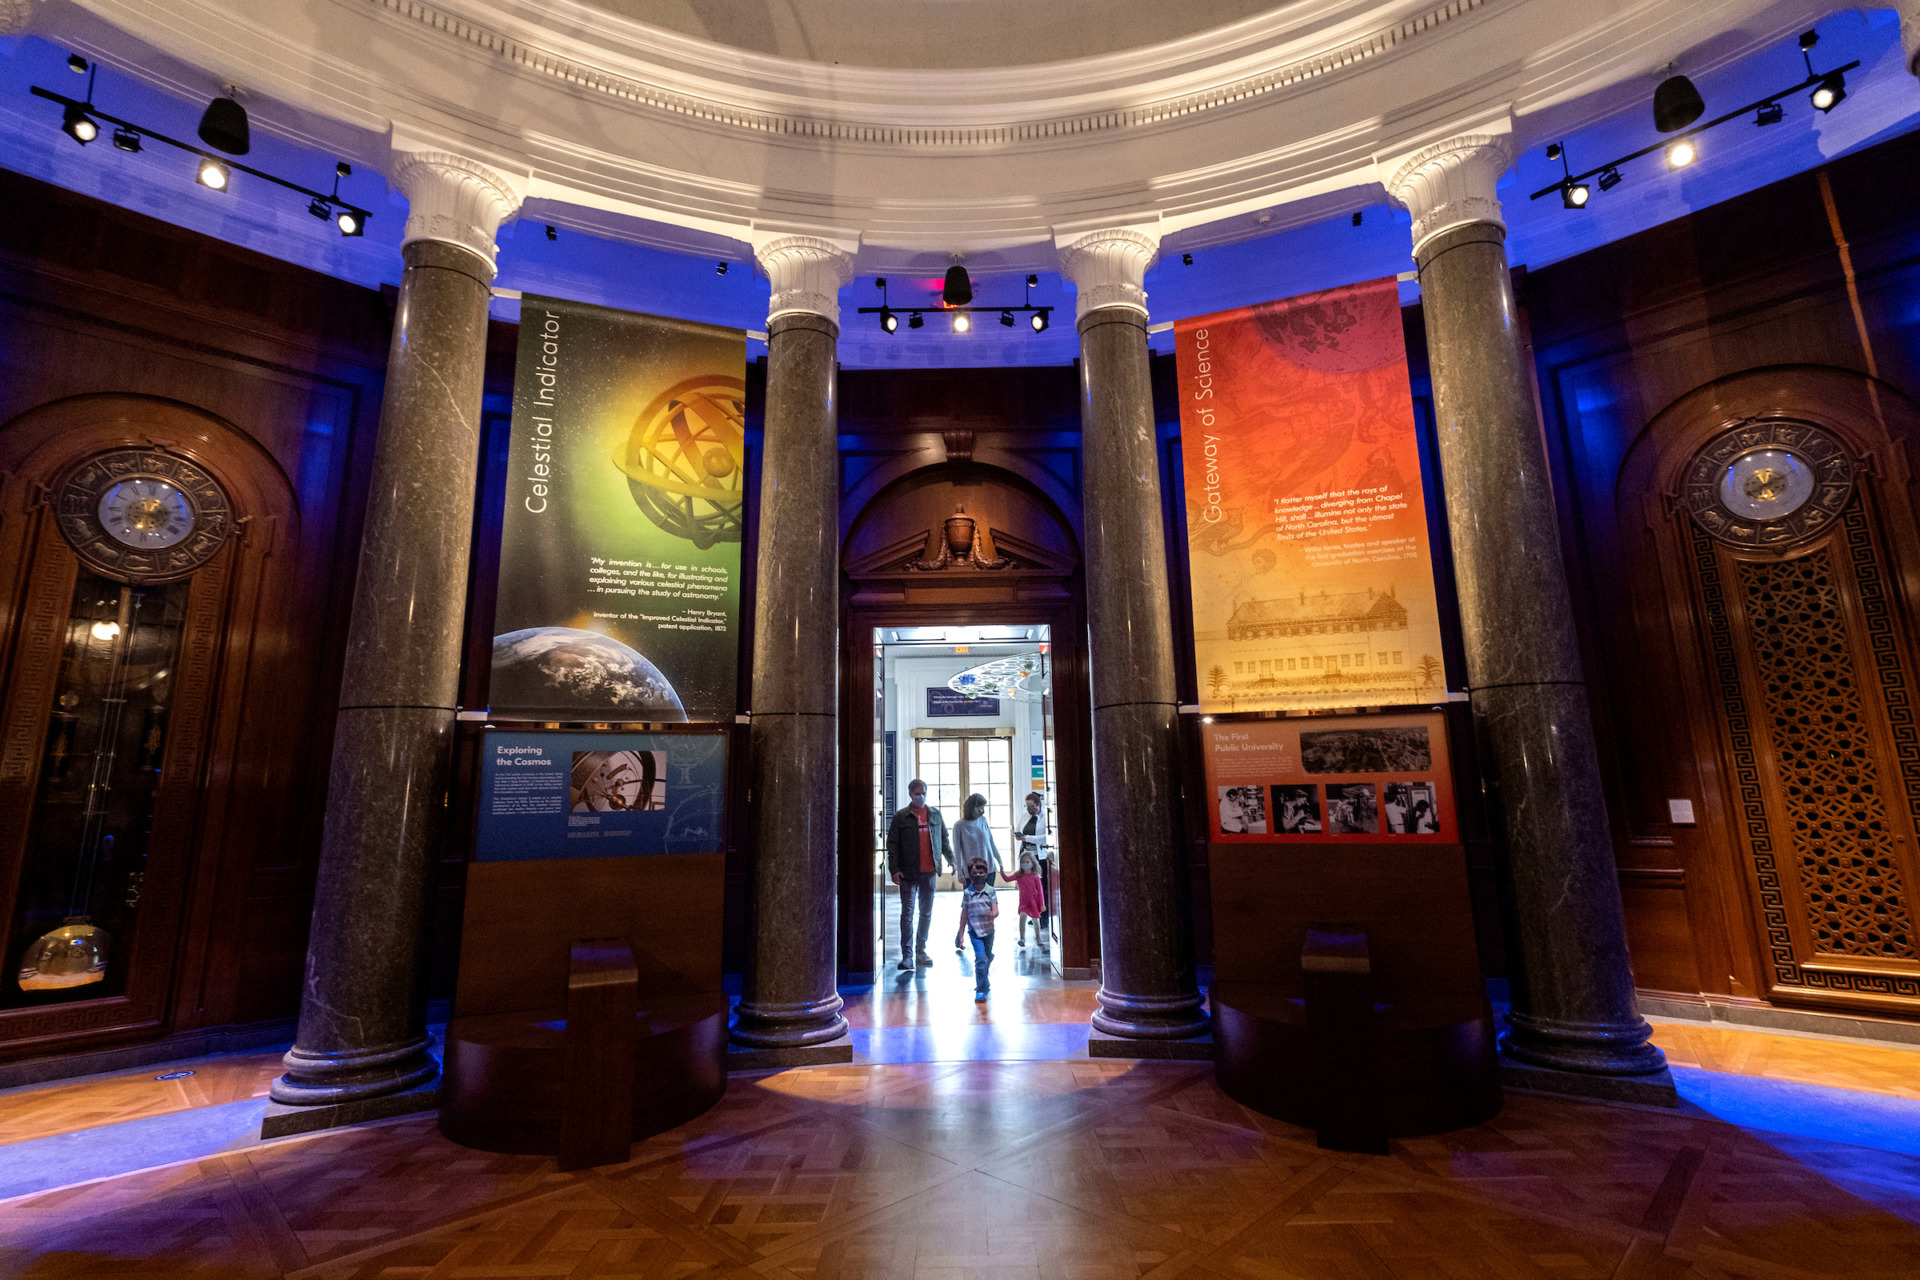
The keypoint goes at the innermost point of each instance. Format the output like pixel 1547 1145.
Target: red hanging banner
pixel 1312 577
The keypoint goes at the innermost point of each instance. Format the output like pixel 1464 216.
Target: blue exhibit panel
pixel 599 795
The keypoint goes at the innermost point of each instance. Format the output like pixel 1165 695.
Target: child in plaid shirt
pixel 980 907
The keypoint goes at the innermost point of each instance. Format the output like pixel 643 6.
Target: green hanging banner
pixel 620 549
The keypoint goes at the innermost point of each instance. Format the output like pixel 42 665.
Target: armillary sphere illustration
pixel 685 459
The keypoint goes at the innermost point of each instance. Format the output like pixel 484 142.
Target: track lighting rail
pixel 1039 317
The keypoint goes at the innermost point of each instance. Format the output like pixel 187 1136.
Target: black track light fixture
pixel 350 223
pixel 1006 319
pixel 223 126
pixel 889 322
pixel 126 139
pixel 1676 104
pixel 958 289
pixel 1575 195
pixel 213 175
pixel 78 125
pixel 1359 216
pixel 78 65
pixel 1039 322
pixel 1186 259
pixel 319 208
pixel 1829 93
pixel 961 314
pixel 915 320
pixel 719 268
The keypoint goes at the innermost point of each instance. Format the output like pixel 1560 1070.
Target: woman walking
pixel 973 842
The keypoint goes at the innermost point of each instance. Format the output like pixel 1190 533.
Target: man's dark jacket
pixel 903 842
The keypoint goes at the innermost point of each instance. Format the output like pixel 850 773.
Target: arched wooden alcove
pixel 1040 583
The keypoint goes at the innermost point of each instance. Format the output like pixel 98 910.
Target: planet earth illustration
pixel 560 670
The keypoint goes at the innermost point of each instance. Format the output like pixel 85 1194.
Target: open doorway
pixel 969 711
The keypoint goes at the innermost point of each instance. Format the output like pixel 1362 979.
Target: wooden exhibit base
pixel 505 1074
pixel 1426 1078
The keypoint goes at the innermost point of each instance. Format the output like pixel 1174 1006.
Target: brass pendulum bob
pixel 71 956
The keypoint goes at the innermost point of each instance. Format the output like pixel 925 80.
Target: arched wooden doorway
pixel 1039 585
pixel 1774 591
pixel 146 550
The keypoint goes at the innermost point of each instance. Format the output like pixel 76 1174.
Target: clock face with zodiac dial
pixel 143 515
pixel 1769 483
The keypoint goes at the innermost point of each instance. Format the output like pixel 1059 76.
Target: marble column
pixel 1573 1001
pixel 1147 988
pixel 790 999
pixel 362 1026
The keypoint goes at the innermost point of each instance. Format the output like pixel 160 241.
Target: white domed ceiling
pixel 936 33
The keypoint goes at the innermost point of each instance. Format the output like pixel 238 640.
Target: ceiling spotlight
pixel 213 174
pixel 1006 318
pixel 78 64
pixel 958 290
pixel 719 268
pixel 1186 259
pixel 126 139
pixel 351 223
pixel 224 127
pixel 78 125
pixel 1039 322
pixel 962 322
pixel 320 208
pixel 915 320
pixel 1575 195
pixel 1829 93
pixel 1772 113
pixel 552 234
pixel 1358 216
pixel 1681 154
pixel 888 320
pixel 1032 281
pixel 1676 104
pixel 1609 178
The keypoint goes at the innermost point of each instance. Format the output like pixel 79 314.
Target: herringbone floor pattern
pixel 1006 1171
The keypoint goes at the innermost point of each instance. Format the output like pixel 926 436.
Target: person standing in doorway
pixel 979 908
pixel 916 845
pixel 1032 839
pixel 973 841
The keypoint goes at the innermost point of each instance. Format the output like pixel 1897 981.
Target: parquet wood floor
pixel 1871 1068
pixel 1006 1171
pixel 38 1111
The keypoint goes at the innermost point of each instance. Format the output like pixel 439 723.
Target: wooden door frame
pixel 1075 880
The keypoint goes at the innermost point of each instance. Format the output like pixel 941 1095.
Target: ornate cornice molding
pixel 1108 268
pixel 879 122
pixel 16 15
pixel 455 200
pixel 807 274
pixel 1450 184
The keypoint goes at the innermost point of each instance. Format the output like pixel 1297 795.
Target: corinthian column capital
pixel 1909 11
pixel 1108 268
pixel 455 200
pixel 1450 183
pixel 807 273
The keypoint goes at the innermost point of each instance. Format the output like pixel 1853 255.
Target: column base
pixel 282 1120
pixel 1150 1017
pixel 354 1075
pixel 788 1026
pixel 1589 1048
pixel 828 1053
pixel 1653 1089
pixel 1198 1048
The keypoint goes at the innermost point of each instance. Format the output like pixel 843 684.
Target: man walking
pixel 916 846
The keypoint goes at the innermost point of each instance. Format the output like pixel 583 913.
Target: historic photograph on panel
pixel 1351 810
pixel 618 781
pixel 1383 750
pixel 1297 810
pixel 1411 809
pixel 1243 811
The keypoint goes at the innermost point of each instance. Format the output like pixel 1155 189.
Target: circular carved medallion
pixel 1769 484
pixel 141 515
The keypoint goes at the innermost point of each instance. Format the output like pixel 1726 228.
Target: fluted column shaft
pixel 1147 987
pixel 362 1014
pixel 1573 1002
pixel 790 996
